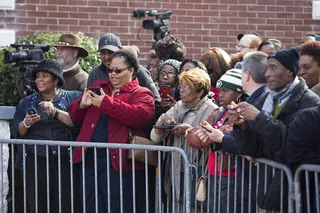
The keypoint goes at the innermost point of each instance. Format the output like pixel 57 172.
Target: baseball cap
pixel 109 41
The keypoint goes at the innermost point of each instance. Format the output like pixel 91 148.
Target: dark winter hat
pixel 51 66
pixel 232 80
pixel 109 41
pixel 289 58
pixel 71 40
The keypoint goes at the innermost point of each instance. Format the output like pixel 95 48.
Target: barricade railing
pixel 282 173
pixel 240 186
pixel 53 157
pixel 306 182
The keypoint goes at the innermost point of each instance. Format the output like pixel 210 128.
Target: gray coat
pixel 183 114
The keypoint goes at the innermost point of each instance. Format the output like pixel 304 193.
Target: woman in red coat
pixel 106 118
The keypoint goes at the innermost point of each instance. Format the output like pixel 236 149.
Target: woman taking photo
pixel 168 83
pixel 121 106
pixel 193 108
pixel 44 116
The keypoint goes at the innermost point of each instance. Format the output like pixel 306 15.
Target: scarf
pixel 280 96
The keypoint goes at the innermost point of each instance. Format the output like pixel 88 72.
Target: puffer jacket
pixel 132 106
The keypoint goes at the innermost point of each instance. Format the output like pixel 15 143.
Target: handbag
pixel 202 186
pixel 139 154
pixel 196 191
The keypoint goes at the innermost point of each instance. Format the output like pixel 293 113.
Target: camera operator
pixel 67 54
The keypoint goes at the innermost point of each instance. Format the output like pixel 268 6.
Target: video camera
pixel 26 57
pixel 160 26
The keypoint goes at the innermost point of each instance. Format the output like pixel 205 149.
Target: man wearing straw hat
pixel 68 52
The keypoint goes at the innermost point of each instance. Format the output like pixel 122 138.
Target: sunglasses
pixel 117 71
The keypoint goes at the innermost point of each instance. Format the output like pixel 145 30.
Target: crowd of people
pixel 261 101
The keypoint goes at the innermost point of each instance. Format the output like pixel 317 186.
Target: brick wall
pixel 200 23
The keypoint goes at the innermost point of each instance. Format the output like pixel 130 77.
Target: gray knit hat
pixel 172 62
pixel 232 80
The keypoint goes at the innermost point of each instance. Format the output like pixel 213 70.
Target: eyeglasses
pixel 184 86
pixel 169 75
pixel 240 46
pixel 117 71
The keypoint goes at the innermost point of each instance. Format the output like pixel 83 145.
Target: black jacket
pixel 143 75
pixel 266 138
pixel 303 147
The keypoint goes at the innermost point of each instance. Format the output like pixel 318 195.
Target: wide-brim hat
pixel 71 40
pixel 50 66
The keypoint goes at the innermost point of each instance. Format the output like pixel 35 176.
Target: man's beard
pixel 63 62
pixel 60 61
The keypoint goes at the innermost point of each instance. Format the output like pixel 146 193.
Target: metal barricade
pixel 245 187
pixel 280 177
pixel 240 186
pixel 306 182
pixel 64 191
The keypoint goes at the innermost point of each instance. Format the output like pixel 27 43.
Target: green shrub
pixel 9 74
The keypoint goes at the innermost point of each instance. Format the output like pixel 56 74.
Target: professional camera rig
pixel 26 57
pixel 160 26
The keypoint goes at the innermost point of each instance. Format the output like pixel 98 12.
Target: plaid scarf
pixel 280 96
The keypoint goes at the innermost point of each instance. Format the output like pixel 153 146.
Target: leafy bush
pixel 9 74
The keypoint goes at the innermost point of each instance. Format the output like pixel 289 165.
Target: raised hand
pixel 86 99
pixel 96 99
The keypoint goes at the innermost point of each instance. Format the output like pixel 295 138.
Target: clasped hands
pixel 90 98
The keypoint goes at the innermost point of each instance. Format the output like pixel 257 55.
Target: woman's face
pixel 188 95
pixel 168 75
pixel 309 70
pixel 45 82
pixel 121 73
pixel 153 68
pixel 226 96
pixel 187 66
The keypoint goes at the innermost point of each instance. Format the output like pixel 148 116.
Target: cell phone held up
pixel 95 90
pixel 32 111
pixel 165 91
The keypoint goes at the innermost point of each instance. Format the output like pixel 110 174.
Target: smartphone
pixel 171 126
pixel 317 38
pixel 95 90
pixel 32 111
pixel 165 91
